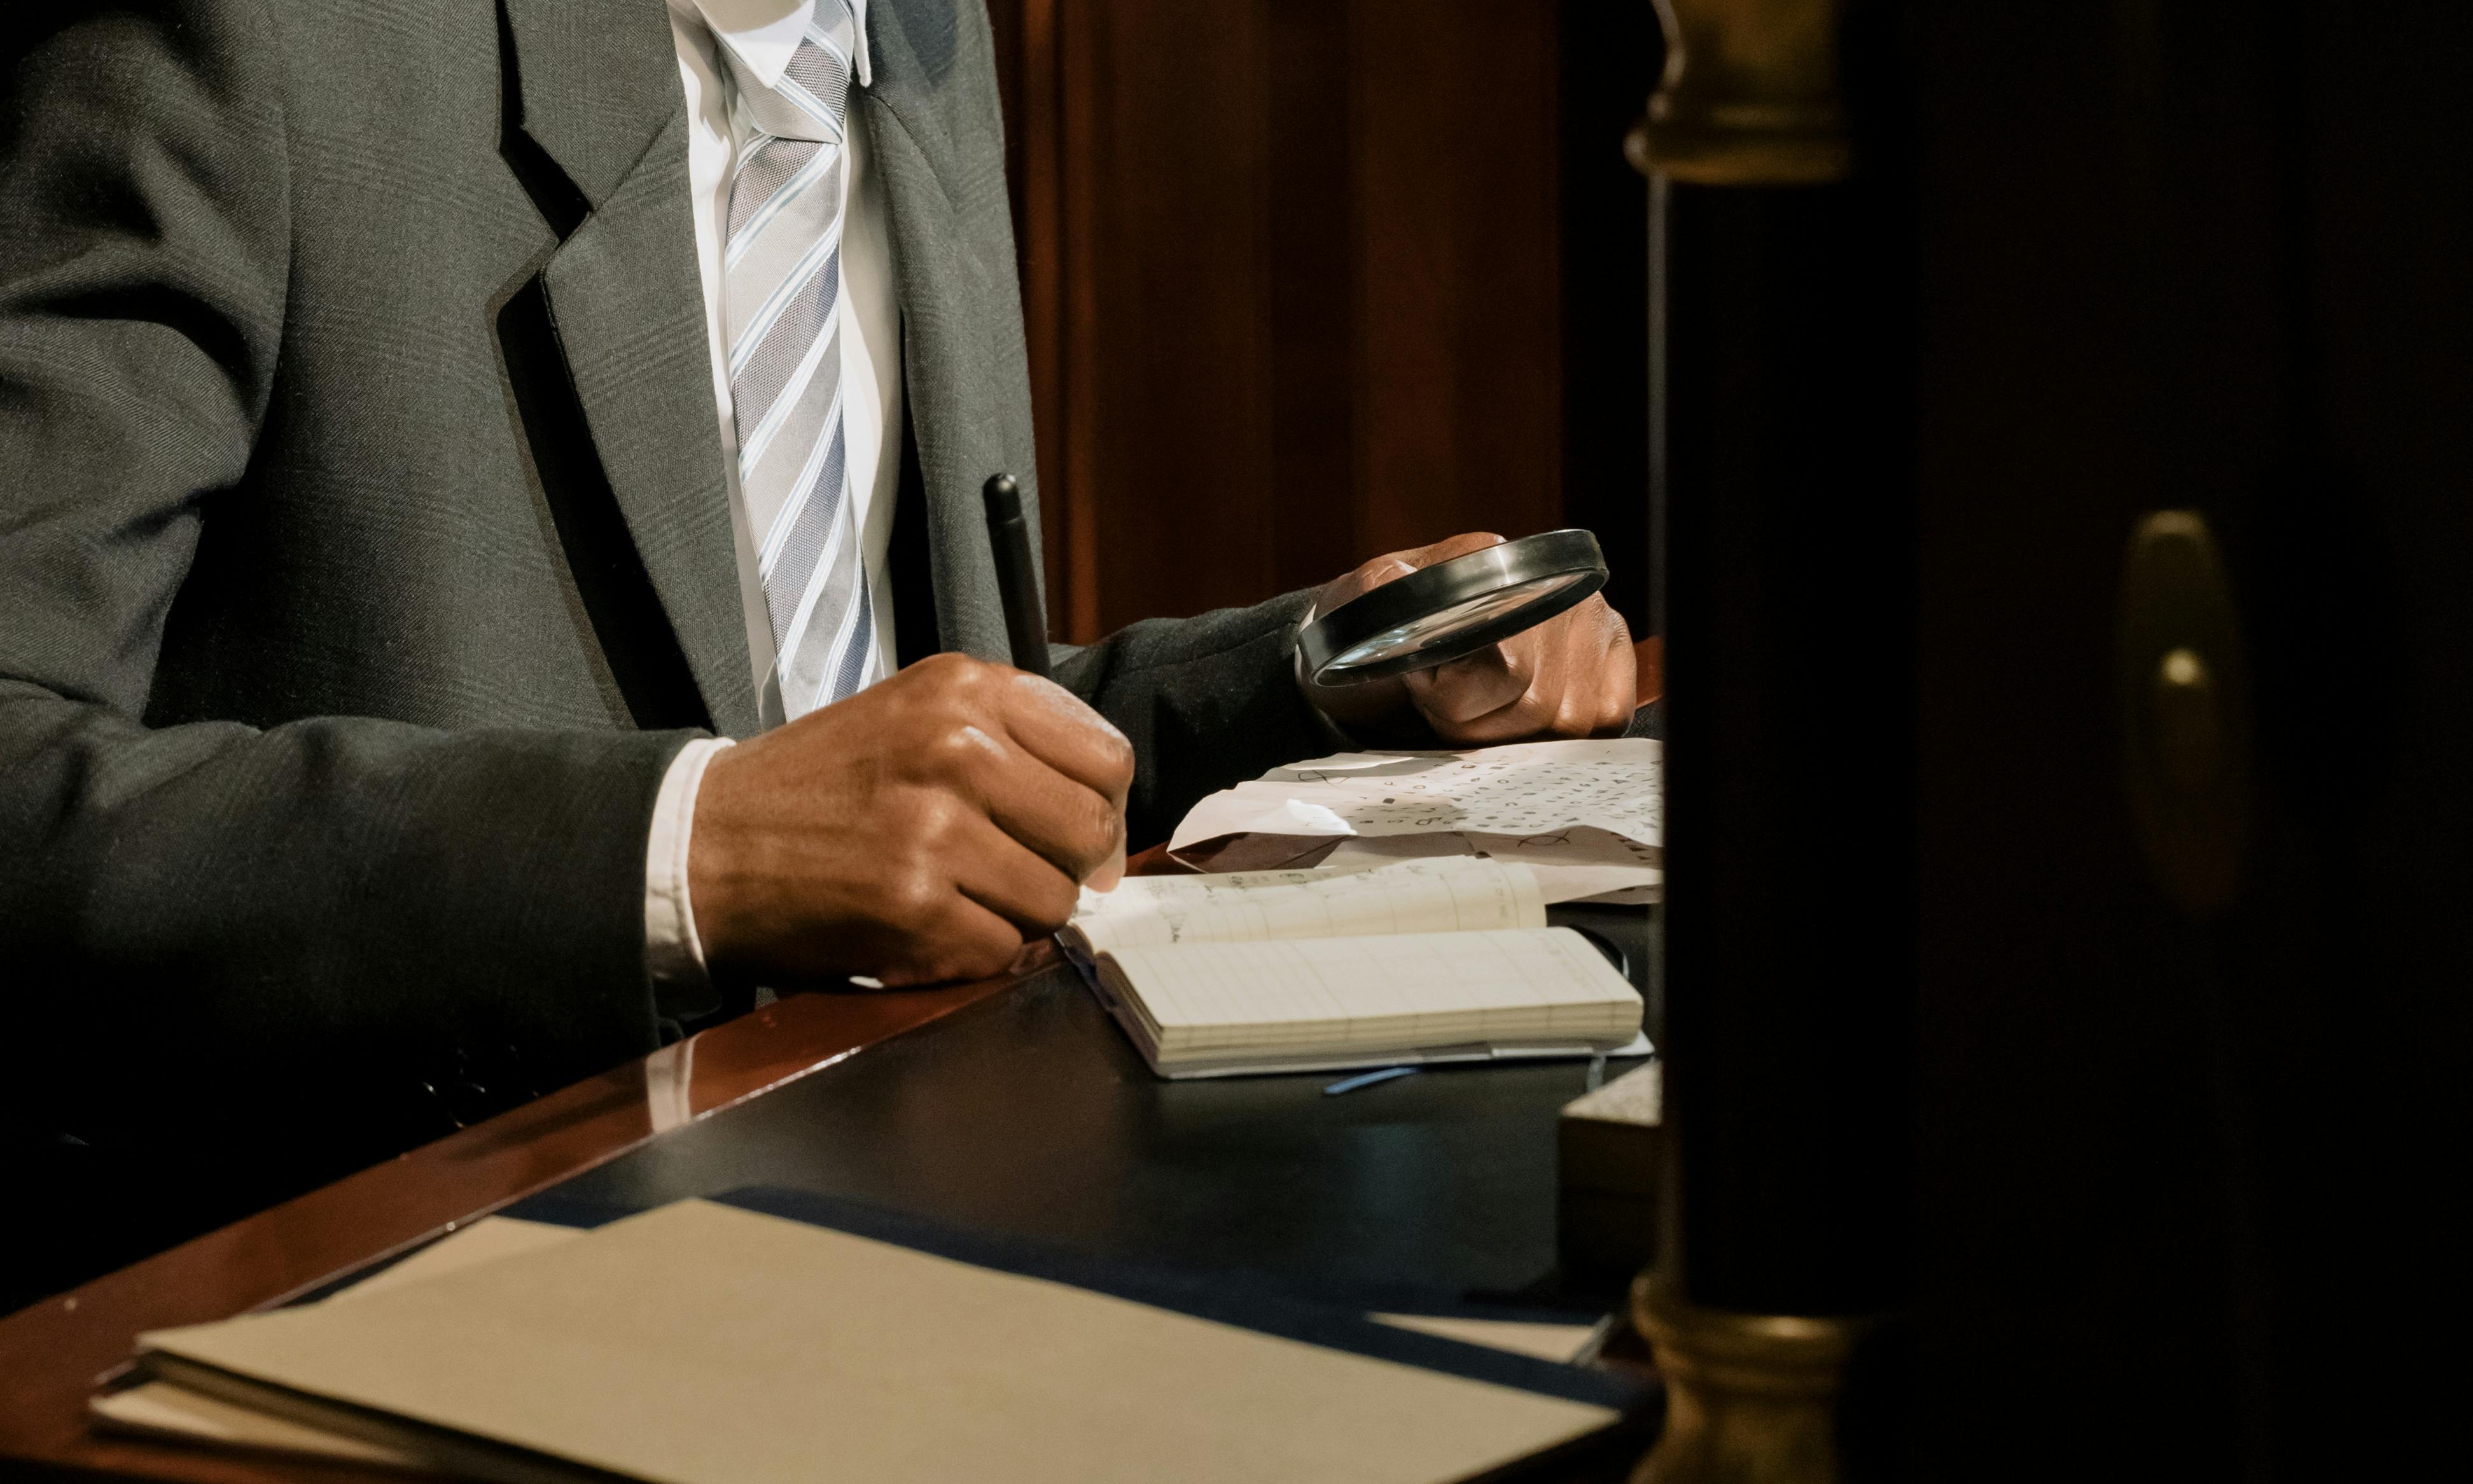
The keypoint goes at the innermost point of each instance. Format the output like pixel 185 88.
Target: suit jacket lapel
pixel 935 135
pixel 599 93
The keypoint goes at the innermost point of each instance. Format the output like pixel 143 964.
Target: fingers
pixel 996 871
pixel 1391 566
pixel 1451 546
pixel 1374 706
pixel 1111 871
pixel 1573 675
pixel 1074 829
pixel 1063 795
pixel 1044 768
pixel 917 831
pixel 961 900
pixel 1054 726
pixel 1474 686
pixel 1618 683
pixel 962 941
pixel 995 895
pixel 1531 715
pixel 1372 575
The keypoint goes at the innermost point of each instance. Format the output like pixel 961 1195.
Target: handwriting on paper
pixel 1587 814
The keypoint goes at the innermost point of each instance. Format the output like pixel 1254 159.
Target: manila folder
pixel 706 1344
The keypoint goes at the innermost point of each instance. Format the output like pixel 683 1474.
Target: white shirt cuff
pixel 672 951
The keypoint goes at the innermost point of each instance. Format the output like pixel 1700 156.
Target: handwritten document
pixel 1584 816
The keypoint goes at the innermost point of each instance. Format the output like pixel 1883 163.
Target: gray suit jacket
pixel 363 552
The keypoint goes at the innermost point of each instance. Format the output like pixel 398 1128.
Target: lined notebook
pixel 1446 959
pixel 747 1340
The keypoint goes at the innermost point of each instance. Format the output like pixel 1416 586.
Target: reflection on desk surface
pixel 1030 1113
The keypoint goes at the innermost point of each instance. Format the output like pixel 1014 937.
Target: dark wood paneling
pixel 1167 347
pixel 1031 77
pixel 1294 275
pixel 1313 326
pixel 1459 370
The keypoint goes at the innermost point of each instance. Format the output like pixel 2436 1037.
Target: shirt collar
pixel 765 34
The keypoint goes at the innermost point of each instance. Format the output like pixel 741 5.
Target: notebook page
pixel 1402 993
pixel 1454 894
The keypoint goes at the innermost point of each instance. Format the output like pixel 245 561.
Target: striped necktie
pixel 782 268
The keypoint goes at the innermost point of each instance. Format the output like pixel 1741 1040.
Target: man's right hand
pixel 921 830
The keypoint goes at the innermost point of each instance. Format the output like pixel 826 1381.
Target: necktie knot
pixel 811 98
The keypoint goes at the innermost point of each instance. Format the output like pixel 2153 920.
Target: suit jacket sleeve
pixel 344 913
pixel 1206 701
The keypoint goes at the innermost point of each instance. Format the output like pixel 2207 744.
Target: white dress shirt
pixel 762 34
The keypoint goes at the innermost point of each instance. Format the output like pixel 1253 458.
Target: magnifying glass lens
pixel 1438 613
pixel 1433 631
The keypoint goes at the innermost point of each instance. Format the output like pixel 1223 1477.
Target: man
pixel 429 431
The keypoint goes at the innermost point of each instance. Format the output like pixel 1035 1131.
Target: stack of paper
pixel 1585 815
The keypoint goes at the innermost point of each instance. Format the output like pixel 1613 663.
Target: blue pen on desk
pixel 1016 578
pixel 1367 1080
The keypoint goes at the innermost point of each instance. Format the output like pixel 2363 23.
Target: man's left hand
pixel 1569 677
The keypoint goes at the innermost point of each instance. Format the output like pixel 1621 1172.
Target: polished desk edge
pixel 55 1353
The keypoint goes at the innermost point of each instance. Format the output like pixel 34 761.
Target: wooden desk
pixel 1012 1104
pixel 53 1354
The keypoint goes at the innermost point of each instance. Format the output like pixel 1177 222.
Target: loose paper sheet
pixel 1585 815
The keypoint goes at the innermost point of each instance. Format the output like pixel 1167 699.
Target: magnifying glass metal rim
pixel 1325 644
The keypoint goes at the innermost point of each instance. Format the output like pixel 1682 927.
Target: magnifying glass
pixel 1436 614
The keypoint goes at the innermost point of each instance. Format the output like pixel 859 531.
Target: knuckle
pixel 913 893
pixel 1116 761
pixel 948 750
pixel 936 670
pixel 963 752
pixel 958 677
pixel 941 818
pixel 1095 824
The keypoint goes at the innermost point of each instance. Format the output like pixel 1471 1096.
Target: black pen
pixel 1016 580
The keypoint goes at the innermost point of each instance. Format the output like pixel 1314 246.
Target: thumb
pixel 1445 550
